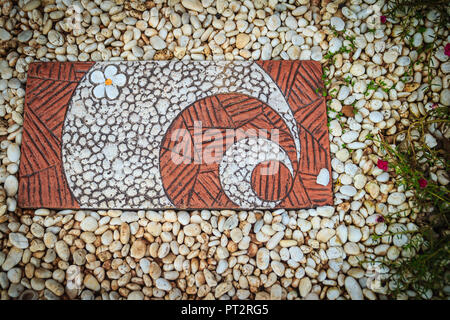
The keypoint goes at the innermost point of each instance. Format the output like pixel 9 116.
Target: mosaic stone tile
pixel 175 134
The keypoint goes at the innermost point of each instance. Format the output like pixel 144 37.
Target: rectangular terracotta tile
pixel 175 134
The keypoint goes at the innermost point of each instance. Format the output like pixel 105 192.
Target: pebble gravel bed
pixel 295 254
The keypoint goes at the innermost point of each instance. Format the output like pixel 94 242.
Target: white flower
pixel 107 82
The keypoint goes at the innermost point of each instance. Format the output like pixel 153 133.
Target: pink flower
pixel 383 19
pixel 447 50
pixel 382 164
pixel 380 219
pixel 434 106
pixel 423 183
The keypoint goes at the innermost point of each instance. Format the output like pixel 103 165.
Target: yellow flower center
pixel 108 82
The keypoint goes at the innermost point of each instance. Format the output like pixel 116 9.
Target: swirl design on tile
pixel 111 146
